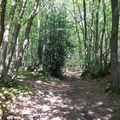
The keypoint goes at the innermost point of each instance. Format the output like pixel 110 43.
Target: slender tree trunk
pixel 115 80
pixel 97 35
pixel 26 39
pixel 106 53
pixel 77 31
pixel 2 19
pixel 2 29
pixel 15 37
pixel 39 35
pixel 97 27
pixel 103 34
pixel 85 32
pixel 45 40
pixel 91 38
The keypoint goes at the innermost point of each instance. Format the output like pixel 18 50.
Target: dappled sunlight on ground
pixel 72 73
pixel 68 100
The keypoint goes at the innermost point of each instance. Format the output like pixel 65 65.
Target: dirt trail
pixel 69 100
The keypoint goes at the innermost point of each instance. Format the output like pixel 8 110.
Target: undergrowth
pixel 9 89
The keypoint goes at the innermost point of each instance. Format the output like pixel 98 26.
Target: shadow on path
pixel 66 100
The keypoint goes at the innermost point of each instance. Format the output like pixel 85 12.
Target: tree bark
pixel 26 39
pixel 85 32
pixel 77 31
pixel 2 19
pixel 15 37
pixel 115 81
pixel 102 36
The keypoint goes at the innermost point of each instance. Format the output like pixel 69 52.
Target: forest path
pixel 72 99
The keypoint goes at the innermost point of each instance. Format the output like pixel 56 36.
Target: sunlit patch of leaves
pixel 9 89
pixel 39 75
pixel 3 108
pixel 45 77
pixel 16 86
pixel 24 74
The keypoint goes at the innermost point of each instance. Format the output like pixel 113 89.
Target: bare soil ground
pixel 71 99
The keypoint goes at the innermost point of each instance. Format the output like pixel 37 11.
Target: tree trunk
pixel 2 19
pixel 85 32
pixel 102 36
pixel 78 32
pixel 115 81
pixel 7 61
pixel 26 39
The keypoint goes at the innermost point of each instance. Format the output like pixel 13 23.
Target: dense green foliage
pixel 56 42
pixel 51 35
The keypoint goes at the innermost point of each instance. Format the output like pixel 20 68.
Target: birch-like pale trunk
pixel 7 62
pixel 26 37
pixel 103 37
